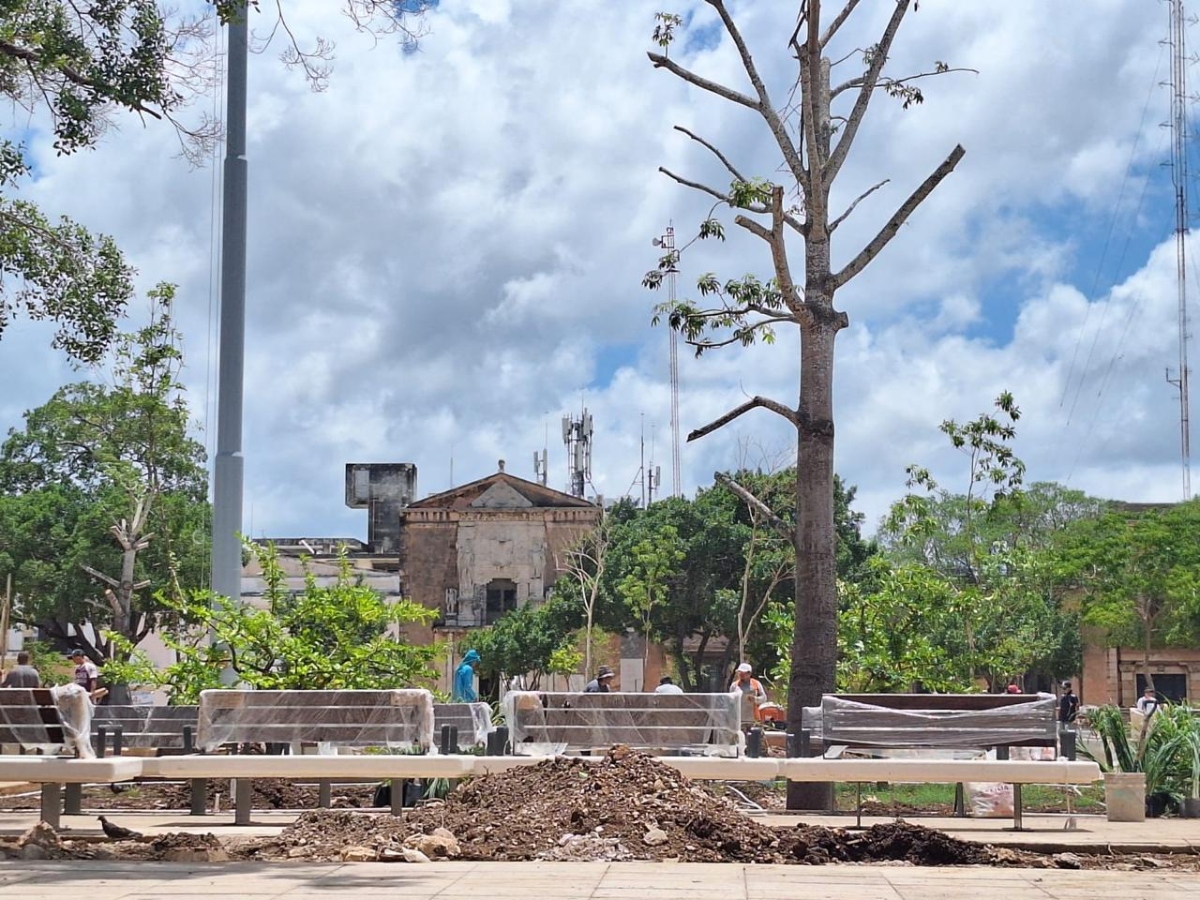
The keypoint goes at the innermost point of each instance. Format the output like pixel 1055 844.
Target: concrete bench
pixel 943 771
pixel 52 772
pixel 163 729
pixel 707 724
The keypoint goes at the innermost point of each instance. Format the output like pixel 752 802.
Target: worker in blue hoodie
pixel 464 679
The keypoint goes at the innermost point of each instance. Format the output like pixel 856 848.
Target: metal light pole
pixel 228 468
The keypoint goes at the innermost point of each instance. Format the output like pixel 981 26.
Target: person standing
pixel 753 695
pixel 1068 705
pixel 464 679
pixel 1148 702
pixel 667 686
pixel 87 676
pixel 22 675
pixel 601 684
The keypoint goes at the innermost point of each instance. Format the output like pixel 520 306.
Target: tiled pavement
pixel 574 881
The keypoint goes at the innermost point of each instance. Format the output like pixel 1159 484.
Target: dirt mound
pixel 624 806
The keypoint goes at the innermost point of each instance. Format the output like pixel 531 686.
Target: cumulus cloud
pixel 446 250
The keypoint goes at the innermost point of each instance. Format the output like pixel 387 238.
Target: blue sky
pixel 447 248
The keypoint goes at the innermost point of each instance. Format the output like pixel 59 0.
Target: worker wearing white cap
pixel 751 689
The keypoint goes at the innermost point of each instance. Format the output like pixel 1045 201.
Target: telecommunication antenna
pixel 577 435
pixel 667 242
pixel 1179 176
pixel 539 466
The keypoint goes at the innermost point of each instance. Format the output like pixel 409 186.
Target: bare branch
pixel 753 403
pixel 870 79
pixel 661 62
pixel 885 235
pixel 764 106
pixel 768 515
pixel 100 576
pixel 753 227
pixel 715 152
pixel 704 188
pixel 895 82
pixel 861 197
pixel 837 22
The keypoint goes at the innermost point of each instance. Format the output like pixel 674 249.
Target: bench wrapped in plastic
pixel 397 719
pixel 47 719
pixel 938 720
pixel 708 724
pixel 473 721
pixel 148 727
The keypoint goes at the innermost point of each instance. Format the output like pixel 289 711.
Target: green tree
pixel 654 561
pixel 530 641
pixel 813 131
pixel 1139 575
pixel 105 473
pixel 343 635
pixel 1003 613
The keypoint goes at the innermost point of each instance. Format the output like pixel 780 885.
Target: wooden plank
pixel 948 702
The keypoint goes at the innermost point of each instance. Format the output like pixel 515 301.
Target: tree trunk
pixel 814 640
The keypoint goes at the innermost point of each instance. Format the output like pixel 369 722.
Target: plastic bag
pixel 989 800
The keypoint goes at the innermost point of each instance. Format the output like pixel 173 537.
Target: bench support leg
pixel 199 806
pixel 398 796
pixel 73 800
pixel 242 801
pixel 960 801
pixel 52 805
pixel 324 794
pixel 1018 824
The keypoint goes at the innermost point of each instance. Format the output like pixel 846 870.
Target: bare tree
pixel 814 140
pixel 585 563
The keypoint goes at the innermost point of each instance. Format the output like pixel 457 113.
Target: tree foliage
pixel 94 455
pixel 530 641
pixel 342 635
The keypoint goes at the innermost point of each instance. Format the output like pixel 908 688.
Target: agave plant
pixel 1167 750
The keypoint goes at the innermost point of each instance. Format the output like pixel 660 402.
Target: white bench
pixel 944 771
pixel 52 772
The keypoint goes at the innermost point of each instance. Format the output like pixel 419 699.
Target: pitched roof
pixel 503 491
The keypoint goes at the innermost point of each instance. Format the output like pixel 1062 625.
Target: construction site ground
pixel 629 827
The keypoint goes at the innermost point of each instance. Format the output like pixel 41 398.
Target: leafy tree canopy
pixel 343 635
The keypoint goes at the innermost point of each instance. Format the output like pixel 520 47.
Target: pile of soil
pixel 626 806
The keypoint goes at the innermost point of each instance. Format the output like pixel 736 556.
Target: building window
pixel 501 598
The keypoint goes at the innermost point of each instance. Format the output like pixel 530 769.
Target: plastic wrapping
pixel 75 712
pixel 708 724
pixel 397 719
pixel 473 721
pixel 867 725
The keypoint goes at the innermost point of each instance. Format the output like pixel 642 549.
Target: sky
pixel 446 249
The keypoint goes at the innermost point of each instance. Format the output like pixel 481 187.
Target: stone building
pixel 480 550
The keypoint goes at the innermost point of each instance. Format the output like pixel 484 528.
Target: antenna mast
pixel 577 435
pixel 667 242
pixel 1179 176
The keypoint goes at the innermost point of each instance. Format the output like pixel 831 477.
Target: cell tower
pixel 577 435
pixel 1179 176
pixel 667 242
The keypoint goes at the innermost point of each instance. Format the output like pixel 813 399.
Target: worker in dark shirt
pixel 1068 705
pixel 22 675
